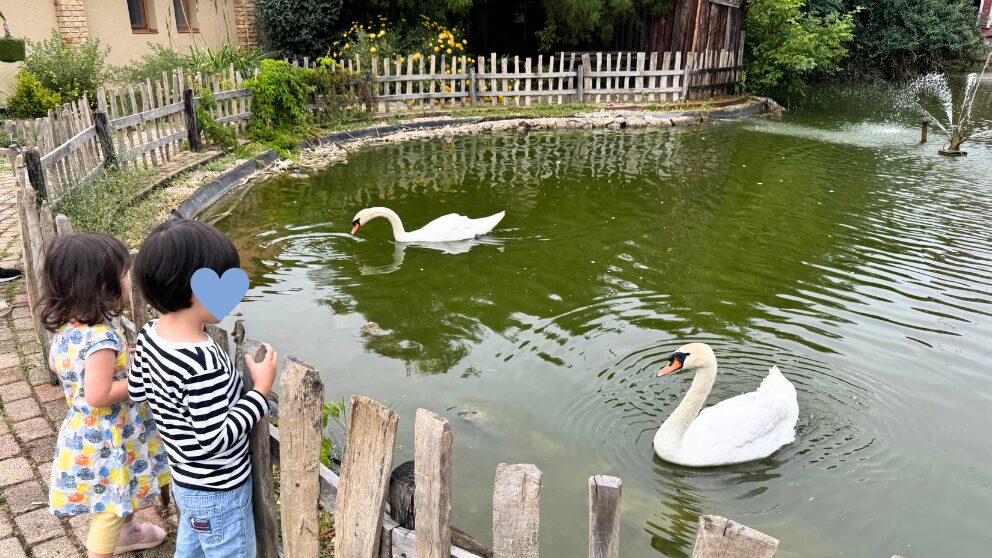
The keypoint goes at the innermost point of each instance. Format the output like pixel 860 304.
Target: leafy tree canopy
pixel 298 27
pixel 788 44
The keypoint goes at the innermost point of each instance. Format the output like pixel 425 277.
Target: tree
pixel 570 22
pixel 899 37
pixel 298 27
pixel 787 46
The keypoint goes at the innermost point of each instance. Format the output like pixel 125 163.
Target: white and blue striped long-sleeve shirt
pixel 195 394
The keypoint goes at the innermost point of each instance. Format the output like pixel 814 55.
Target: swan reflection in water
pixel 400 248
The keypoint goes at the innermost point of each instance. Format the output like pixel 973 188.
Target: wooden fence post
pixel 432 497
pixel 259 442
pixel 402 489
pixel 106 141
pixel 301 403
pixel 604 516
pixel 36 173
pixel 688 60
pixel 192 128
pixel 580 83
pixel 719 537
pixel 364 475
pixel 516 511
pixel 63 225
pixel 139 308
pixel 471 85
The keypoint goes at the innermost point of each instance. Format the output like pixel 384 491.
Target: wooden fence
pixel 150 123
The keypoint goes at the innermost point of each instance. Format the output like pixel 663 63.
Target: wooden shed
pixel 688 26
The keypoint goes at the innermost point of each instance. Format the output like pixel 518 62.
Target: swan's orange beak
pixel 671 367
pixel 355 226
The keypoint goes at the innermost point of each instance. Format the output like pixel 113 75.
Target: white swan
pixel 448 228
pixel 743 428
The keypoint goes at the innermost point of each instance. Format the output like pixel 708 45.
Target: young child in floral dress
pixel 109 457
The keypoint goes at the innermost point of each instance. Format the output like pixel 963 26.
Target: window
pixel 185 16
pixel 140 15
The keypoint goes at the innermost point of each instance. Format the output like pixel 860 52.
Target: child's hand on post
pixel 263 373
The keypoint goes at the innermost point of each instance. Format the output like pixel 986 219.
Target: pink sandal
pixel 139 537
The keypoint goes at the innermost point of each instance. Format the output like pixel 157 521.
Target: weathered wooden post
pixel 364 475
pixel 580 84
pixel 688 60
pixel 301 404
pixel 139 308
pixel 604 516
pixel 516 511
pixel 471 85
pixel 192 128
pixel 259 443
pixel 63 225
pixel 432 499
pixel 36 173
pixel 106 141
pixel 719 537
pixel 924 122
pixel 402 489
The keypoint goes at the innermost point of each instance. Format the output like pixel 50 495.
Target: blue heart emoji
pixel 219 295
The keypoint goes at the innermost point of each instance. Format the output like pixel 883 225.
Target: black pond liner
pixel 216 188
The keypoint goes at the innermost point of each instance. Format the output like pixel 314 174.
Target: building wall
pixel 32 20
pixel 108 20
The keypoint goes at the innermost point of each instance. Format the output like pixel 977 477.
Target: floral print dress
pixel 108 459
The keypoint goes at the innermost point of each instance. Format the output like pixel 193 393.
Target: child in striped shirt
pixel 196 394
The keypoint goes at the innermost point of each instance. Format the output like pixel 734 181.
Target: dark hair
pixel 82 280
pixel 169 256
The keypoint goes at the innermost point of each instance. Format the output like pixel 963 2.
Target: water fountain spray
pixel 957 125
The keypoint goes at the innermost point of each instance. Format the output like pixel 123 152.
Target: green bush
pixel 298 27
pixel 164 59
pixel 216 133
pixel 787 46
pixel 71 70
pixel 31 99
pixel 11 49
pixel 279 102
pixel 901 37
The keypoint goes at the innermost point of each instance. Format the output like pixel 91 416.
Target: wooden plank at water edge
pixel 516 511
pixel 364 476
pixel 432 497
pixel 301 402
pixel 719 537
pixel 604 516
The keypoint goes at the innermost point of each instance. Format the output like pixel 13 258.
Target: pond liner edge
pixel 209 193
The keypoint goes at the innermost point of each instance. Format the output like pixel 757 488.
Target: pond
pixel 828 242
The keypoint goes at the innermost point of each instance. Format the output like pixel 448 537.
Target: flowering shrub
pixel 380 38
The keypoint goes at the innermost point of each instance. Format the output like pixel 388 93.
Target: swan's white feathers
pixel 453 226
pixel 743 428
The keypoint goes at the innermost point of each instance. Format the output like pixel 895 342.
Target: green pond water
pixel 828 242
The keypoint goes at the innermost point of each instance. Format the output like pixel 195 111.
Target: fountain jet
pixel 956 124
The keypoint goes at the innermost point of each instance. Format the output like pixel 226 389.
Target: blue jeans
pixel 215 524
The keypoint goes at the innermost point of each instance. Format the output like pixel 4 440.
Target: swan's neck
pixel 673 429
pixel 399 233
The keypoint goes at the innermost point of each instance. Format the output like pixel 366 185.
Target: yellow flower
pixel 381 33
pixel 437 49
pixel 416 56
pixel 57 498
pixel 372 36
pixel 64 460
pixel 464 41
pixel 372 49
pixel 347 46
pixel 448 51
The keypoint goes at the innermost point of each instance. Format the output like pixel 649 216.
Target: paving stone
pixel 56 411
pixel 8 445
pixel 39 525
pixel 39 376
pixel 11 548
pixel 6 525
pixel 61 547
pixel 22 312
pixel 42 450
pixel 13 471
pixel 9 360
pixel 25 497
pixel 23 325
pixel 48 392
pixel 10 375
pixel 32 429
pixel 45 473
pixel 22 409
pixel 15 391
pixel 80 525
pixel 3 427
